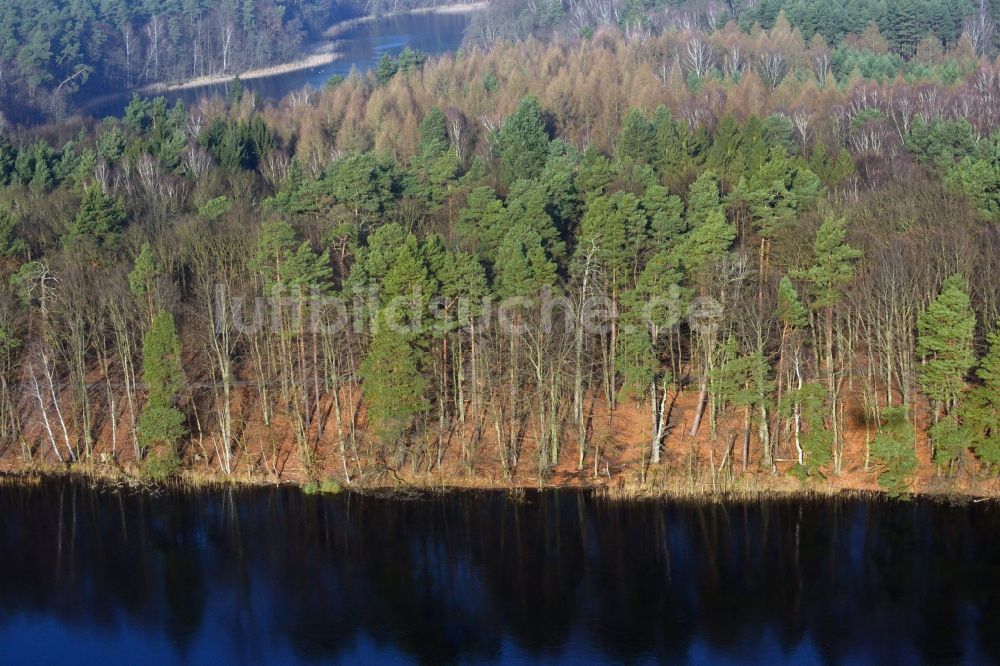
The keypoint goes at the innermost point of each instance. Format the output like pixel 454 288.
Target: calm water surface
pixel 102 576
pixel 361 47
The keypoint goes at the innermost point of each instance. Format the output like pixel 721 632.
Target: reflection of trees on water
pixel 477 576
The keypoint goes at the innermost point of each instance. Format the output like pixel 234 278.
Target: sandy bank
pixel 460 8
pixel 315 60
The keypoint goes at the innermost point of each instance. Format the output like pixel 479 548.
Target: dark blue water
pixel 361 47
pixel 274 576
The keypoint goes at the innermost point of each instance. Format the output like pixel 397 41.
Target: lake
pixel 360 46
pixel 274 575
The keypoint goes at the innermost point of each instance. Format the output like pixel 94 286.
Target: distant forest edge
pixel 54 53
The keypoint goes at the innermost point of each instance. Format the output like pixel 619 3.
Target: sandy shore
pixel 315 60
pixel 458 8
pixel 322 54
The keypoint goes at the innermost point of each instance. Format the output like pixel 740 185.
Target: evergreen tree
pixel 944 341
pixel 434 166
pixel 904 25
pixel 615 226
pixel 483 222
pixel 377 257
pixel 703 199
pixel 528 204
pixel 161 423
pixel 216 208
pixel 705 244
pixel 833 264
pixel 433 134
pixel 559 179
pixel 893 448
pixel 980 408
pixel 831 271
pixel 386 69
pixel 142 278
pixel 523 143
pixel 99 221
pixel 410 60
pixel 407 289
pixel 672 142
pixel 8 158
pixel 949 438
pixel 637 139
pixel 10 244
pixel 365 183
pixel 815 439
pixel 594 175
pixel 295 194
pixel 666 213
pixel 790 311
pixel 393 385
pixel 523 267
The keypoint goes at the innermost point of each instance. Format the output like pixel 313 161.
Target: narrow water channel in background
pixel 360 47
pixel 273 575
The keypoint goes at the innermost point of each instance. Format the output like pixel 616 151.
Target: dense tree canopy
pixel 466 264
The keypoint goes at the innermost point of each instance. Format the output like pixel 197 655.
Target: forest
pixel 56 54
pixel 677 256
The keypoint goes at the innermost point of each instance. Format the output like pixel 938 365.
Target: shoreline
pixel 318 54
pixel 337 29
pixel 743 489
pixel 317 59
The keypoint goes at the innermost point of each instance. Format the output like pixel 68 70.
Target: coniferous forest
pixel 655 246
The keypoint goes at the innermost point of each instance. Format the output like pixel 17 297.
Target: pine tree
pixel 703 199
pixel 893 448
pixel 791 312
pixel 8 158
pixel 979 410
pixel 214 209
pixel 406 291
pixel 393 385
pixel 484 222
pixel 523 143
pixel 615 226
pixel 161 423
pixel 666 213
pixel 905 26
pixel 944 342
pixel 276 242
pixel 386 69
pixel 949 438
pixel 810 403
pixel 10 244
pixel 523 267
pixel 833 264
pixel 295 195
pixel 379 254
pixel 706 243
pixel 142 278
pixel 637 139
pixel 559 179
pixel 528 204
pixel 99 220
pixel 673 152
pixel 433 134
pixel 594 174
pixel 831 271
pixel 650 312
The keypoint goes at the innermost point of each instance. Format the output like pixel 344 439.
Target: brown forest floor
pixel 269 455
